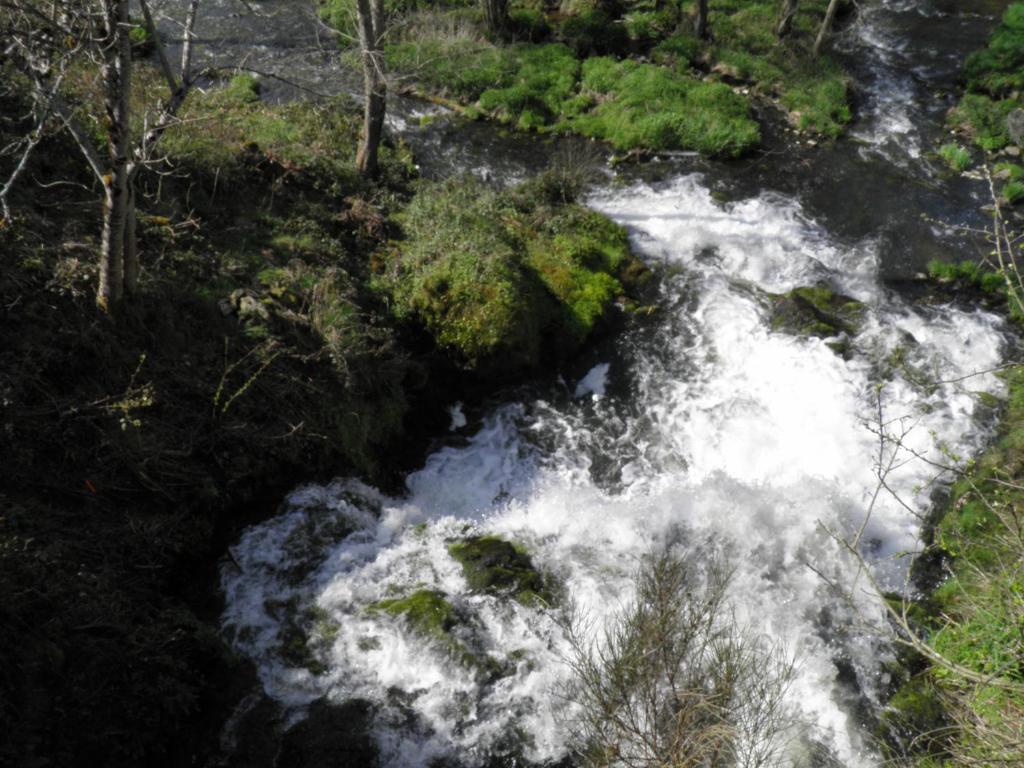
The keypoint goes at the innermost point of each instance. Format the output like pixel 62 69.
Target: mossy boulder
pixel 426 611
pixel 816 311
pixel 504 281
pixel 494 566
pixel 430 614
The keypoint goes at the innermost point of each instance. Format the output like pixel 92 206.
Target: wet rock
pixel 1015 126
pixel 428 613
pixel 333 734
pixel 817 311
pixel 495 566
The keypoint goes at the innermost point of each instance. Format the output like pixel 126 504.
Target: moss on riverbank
pixel 635 76
pixel 994 84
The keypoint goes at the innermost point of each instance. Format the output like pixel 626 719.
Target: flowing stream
pixel 703 427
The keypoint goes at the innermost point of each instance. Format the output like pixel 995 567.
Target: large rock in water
pixel 496 566
pixel 1015 126
pixel 817 311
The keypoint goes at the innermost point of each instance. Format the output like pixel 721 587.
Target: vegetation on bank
pixel 635 75
pixel 266 344
pixel 968 709
pixel 991 112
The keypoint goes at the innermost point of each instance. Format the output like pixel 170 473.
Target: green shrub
pixel 956 157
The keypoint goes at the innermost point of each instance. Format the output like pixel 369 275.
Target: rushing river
pixel 703 427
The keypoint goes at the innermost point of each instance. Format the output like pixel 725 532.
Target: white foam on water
pixel 594 383
pixel 736 437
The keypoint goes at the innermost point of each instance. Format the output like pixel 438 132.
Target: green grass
pixel 998 69
pixel 541 89
pixel 968 272
pixel 1014 192
pixel 956 157
pixel 995 79
pixel 983 119
pixel 646 106
pixel 631 104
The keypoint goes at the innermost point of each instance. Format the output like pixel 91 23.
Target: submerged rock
pixel 428 613
pixel 817 311
pixel 495 566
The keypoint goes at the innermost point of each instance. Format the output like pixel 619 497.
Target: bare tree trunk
pixel 826 26
pixel 116 71
pixel 789 9
pixel 700 25
pixel 131 248
pixel 371 35
pixel 496 16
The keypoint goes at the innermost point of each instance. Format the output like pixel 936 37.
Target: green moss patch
pixel 816 311
pixel 496 566
pixel 426 611
pixel 430 615
pixel 956 157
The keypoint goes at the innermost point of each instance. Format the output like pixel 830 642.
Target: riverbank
pixel 638 78
pixel 268 345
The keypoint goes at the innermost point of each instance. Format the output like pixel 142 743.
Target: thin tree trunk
pixel 496 16
pixel 116 73
pixel 701 24
pixel 371 33
pixel 131 247
pixel 789 9
pixel 826 26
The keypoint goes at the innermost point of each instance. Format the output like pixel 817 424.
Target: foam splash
pixel 735 437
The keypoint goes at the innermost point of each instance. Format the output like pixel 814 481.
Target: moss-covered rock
pixel 504 281
pixel 496 566
pixel 816 311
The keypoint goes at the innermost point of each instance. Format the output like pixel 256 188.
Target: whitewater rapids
pixel 707 426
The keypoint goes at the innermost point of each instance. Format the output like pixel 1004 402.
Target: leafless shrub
pixel 675 681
